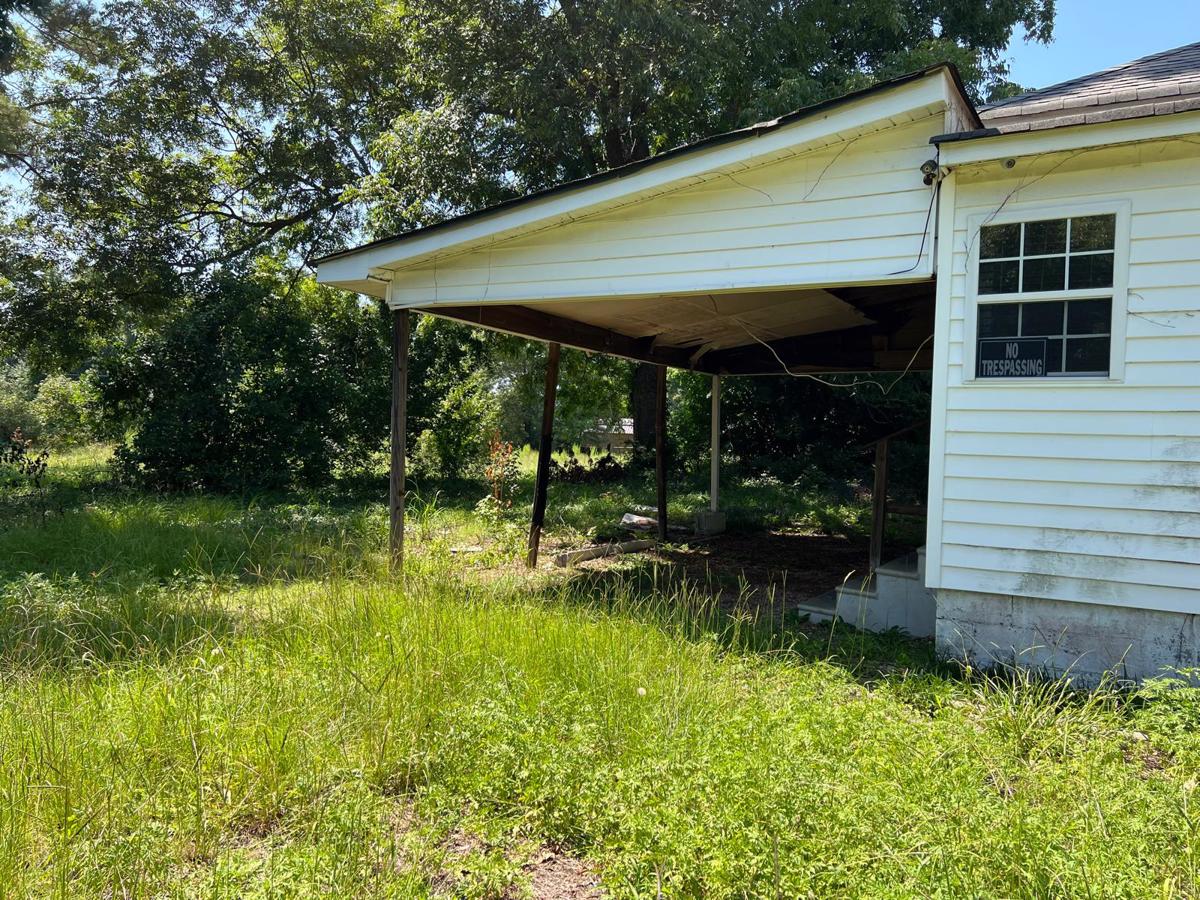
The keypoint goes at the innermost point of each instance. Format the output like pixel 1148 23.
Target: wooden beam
pixel 660 449
pixel 849 350
pixel 575 556
pixel 879 503
pixel 714 474
pixel 543 326
pixel 545 448
pixel 396 487
pixel 856 349
pixel 878 301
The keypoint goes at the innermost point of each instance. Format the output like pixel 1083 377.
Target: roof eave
pixel 988 144
pixel 709 143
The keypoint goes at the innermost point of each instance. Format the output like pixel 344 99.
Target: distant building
pixel 612 437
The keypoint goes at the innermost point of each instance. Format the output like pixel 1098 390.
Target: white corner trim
pixel 939 393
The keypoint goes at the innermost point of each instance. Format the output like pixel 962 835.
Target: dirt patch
pixel 544 874
pixel 1150 759
pixel 556 876
pixel 803 565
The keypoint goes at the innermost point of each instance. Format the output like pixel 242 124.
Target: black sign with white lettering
pixel 1011 358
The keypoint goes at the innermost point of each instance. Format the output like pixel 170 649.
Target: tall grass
pixel 229 701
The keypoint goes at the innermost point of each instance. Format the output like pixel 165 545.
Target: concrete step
pixel 894 597
pixel 822 608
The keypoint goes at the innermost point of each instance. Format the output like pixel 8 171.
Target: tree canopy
pixel 154 145
pixel 165 137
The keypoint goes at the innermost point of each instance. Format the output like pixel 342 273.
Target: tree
pixel 12 117
pixel 10 32
pixel 162 146
pixel 251 386
pixel 529 94
pixel 172 136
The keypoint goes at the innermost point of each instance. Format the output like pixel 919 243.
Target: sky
pixel 1091 35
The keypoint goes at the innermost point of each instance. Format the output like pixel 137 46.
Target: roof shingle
pixel 1160 84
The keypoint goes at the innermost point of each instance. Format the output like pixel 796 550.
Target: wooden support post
pixel 544 450
pixel 660 449
pixel 396 490
pixel 714 475
pixel 879 503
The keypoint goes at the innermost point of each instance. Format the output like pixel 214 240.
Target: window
pixel 1053 337
pixel 1045 297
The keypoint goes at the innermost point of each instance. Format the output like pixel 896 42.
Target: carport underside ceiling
pixel 835 329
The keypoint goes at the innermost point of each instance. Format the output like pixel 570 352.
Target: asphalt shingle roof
pixel 1160 84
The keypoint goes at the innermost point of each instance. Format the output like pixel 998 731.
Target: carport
pixel 798 246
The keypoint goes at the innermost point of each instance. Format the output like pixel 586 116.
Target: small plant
pixel 501 470
pixel 19 465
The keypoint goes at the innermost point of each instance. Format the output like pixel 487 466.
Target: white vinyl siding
pixel 851 212
pixel 1078 489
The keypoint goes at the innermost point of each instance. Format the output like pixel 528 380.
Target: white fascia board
pixel 1068 138
pixel 930 91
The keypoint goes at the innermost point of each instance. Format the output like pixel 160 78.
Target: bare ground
pixel 556 876
pixel 768 569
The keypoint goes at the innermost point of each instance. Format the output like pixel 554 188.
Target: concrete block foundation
pixel 1083 640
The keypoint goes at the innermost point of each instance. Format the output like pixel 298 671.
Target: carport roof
pixel 740 134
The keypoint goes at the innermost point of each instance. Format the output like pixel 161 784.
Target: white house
pixel 1041 256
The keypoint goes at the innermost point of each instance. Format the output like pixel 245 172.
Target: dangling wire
pixel 833 384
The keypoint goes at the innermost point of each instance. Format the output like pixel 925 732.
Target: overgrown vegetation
pixel 252 386
pixel 207 697
pixel 210 684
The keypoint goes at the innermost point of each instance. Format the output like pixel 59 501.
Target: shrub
pixel 603 469
pixel 252 387
pixel 501 470
pixel 66 411
pixel 16 402
pixel 456 443
pixel 424 458
pixel 20 465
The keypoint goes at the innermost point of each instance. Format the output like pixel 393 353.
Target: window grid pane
pixel 1076 332
pixel 1093 233
pixel 1046 255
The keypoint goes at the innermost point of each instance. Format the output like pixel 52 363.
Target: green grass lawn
pixel 208 697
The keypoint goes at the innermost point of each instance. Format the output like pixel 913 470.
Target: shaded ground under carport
pixel 777 569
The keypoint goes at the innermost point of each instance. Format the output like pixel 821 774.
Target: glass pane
pixel 1094 233
pixel 1039 319
pixel 998 277
pixel 1087 354
pixel 1048 236
pixel 1045 274
pixel 1092 271
pixel 998 320
pixel 1089 316
pixel 999 240
pixel 1054 356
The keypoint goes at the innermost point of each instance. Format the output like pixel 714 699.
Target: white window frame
pixel 1119 292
